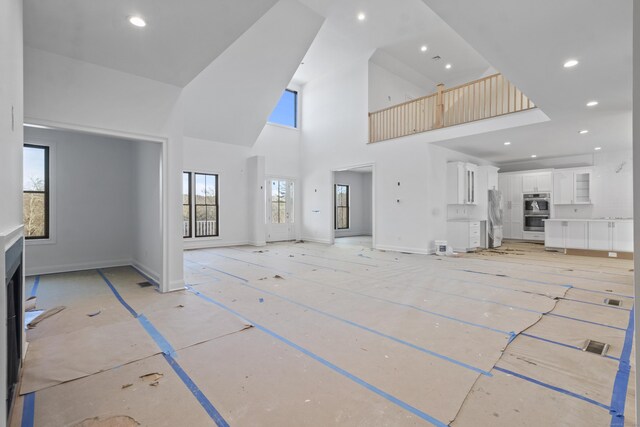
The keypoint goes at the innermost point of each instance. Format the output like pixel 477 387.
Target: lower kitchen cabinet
pixel 597 235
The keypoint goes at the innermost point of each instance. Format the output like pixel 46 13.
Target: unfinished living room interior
pixel 319 212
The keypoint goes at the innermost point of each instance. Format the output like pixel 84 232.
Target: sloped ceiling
pixel 231 99
pixel 529 43
pixel 181 37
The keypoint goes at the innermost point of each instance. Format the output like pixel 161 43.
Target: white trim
pixel 53 193
pixel 278 125
pixel 164 281
pixel 316 240
pixel 90 265
pixel 146 271
pixel 420 251
pixel 212 243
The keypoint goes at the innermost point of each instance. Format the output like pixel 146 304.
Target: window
pixel 285 112
pixel 199 205
pixel 281 201
pixel 342 207
pixel 35 186
pixel 186 204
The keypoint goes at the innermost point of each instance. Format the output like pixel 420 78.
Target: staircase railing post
pixel 440 106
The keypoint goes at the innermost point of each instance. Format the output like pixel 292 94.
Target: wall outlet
pixel 613 255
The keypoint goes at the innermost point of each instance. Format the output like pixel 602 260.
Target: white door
pixel 563 188
pixel 544 182
pixel 576 234
pixel 529 183
pixel 600 235
pixel 554 234
pixel 622 236
pixel 280 210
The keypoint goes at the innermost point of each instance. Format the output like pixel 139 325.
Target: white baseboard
pixel 421 251
pixel 147 272
pixel 260 243
pixel 91 265
pixel 203 244
pixel 316 240
pixel 176 285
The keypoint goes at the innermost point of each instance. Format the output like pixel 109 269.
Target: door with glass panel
pixel 280 210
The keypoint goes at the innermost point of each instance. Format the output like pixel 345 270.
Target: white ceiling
pixel 529 42
pixel 398 28
pixel 180 39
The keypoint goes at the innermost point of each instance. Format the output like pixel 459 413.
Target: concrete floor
pixel 309 334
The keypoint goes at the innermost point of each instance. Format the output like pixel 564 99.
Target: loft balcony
pixel 486 98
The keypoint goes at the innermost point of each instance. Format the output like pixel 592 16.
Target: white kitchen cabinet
pixel 622 236
pixel 554 234
pixel 540 182
pixel 512 205
pixel 463 236
pixel 600 235
pixel 572 186
pixel 461 183
pixel 576 234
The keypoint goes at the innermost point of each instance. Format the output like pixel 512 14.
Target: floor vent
pixel 596 347
pixel 611 301
pixel 144 284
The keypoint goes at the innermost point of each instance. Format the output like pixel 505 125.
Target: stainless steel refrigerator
pixel 494 224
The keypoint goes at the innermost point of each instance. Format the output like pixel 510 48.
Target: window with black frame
pixel 342 206
pixel 186 204
pixel 35 194
pixel 206 205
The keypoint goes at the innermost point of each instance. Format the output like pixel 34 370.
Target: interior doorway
pixel 280 209
pixel 353 202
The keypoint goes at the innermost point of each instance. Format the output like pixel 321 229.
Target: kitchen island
pixel 610 235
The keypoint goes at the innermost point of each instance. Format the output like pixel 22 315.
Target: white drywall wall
pixel 409 216
pixel 636 179
pixel 146 219
pixel 91 203
pixel 360 202
pixel 11 109
pixel 387 88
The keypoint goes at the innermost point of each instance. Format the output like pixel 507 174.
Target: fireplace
pixel 15 327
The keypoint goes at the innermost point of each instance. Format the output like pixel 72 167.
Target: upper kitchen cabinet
pixel 540 182
pixel 572 186
pixel 462 183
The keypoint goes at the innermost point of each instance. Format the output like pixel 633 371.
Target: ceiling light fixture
pixel 137 21
pixel 571 63
pixel 598 148
pixel 448 66
pixel 507 143
pixel 583 131
pixel 361 16
pixel 592 103
pixel 423 48
pixel 533 156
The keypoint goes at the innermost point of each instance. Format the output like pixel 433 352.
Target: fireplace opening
pixel 13 283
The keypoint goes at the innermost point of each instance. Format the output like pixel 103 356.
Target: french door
pixel 280 210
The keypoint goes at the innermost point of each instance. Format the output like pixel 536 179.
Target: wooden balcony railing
pixel 485 98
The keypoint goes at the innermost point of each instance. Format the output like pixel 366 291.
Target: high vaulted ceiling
pixel 181 37
pixel 529 42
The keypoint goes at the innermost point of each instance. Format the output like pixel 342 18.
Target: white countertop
pixel 592 219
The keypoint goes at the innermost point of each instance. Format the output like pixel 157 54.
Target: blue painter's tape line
pixel 559 343
pixel 551 387
pixel 373 331
pixel 34 289
pixel 117 294
pixel 224 272
pixel 516 278
pixel 28 409
pixel 248 262
pixel 585 321
pixel 193 388
pixel 596 304
pixel 603 292
pixel 417 412
pixel 160 340
pixel 619 395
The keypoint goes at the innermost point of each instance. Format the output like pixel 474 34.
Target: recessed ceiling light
pixel 533 156
pixel 448 66
pixel 361 16
pixel 137 21
pixel 507 143
pixel 583 131
pixel 592 103
pixel 570 63
pixel 598 148
pixel 424 48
